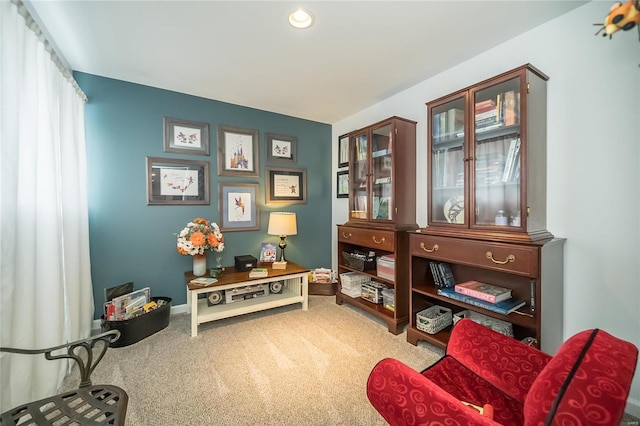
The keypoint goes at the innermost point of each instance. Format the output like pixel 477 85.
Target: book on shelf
pixel 435 272
pixel 203 281
pixel 258 273
pixel 483 291
pixel 505 307
pixel 447 274
pixel 510 108
pixel 512 159
pixel 442 274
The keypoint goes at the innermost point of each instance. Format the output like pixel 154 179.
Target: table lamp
pixel 282 224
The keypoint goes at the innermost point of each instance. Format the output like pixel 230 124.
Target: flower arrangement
pixel 198 236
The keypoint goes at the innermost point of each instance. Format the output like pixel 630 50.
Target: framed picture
pixel 281 148
pixel 343 151
pixel 268 252
pixel 287 186
pixel 238 206
pixel 186 137
pixel 237 152
pixel 342 184
pixel 172 181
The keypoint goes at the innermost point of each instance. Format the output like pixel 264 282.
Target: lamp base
pixel 279 265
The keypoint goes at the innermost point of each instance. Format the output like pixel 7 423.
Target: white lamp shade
pixel 282 223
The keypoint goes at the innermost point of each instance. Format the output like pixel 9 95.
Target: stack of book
pixel 487 296
pixel 442 274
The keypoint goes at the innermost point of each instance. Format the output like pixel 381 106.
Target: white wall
pixel 593 159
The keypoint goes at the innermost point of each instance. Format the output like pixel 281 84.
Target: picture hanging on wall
pixel 286 186
pixel 177 182
pixel 342 184
pixel 186 137
pixel 281 149
pixel 343 151
pixel 237 152
pixel 238 206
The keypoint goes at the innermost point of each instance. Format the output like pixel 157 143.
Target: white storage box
pixel 351 283
pixel 386 267
pixel 389 299
pixel 372 291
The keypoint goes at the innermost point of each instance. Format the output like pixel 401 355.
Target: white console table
pixel 295 290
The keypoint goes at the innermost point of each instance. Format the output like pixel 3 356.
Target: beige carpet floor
pixel 283 366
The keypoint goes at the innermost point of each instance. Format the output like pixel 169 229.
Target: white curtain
pixel 45 278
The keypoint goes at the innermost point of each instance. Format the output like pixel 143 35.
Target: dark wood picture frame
pixel 238 152
pixel 281 148
pixel 177 182
pixel 342 184
pixel 185 136
pixel 343 151
pixel 286 186
pixel 238 203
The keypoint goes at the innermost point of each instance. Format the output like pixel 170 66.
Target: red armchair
pixel 586 383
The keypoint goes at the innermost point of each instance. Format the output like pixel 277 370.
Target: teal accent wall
pixel 132 241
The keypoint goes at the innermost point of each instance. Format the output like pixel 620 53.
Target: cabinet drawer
pixel 371 238
pixel 512 258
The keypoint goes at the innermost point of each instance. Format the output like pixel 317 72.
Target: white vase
pixel 199 265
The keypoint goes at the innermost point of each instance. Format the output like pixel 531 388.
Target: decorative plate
pixel 454 209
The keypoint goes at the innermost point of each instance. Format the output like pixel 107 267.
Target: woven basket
pixel 358 262
pixel 500 326
pixel 434 319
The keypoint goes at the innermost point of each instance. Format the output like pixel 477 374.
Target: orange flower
pixel 182 251
pixel 213 241
pixel 200 221
pixel 197 239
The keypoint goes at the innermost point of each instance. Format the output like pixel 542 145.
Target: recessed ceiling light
pixel 300 18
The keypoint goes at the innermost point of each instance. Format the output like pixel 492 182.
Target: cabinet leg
pixel 194 313
pixel 412 336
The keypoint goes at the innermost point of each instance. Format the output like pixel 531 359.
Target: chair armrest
pixel 87 364
pixel 506 363
pixel 405 397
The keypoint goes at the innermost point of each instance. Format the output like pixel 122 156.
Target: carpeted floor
pixel 283 366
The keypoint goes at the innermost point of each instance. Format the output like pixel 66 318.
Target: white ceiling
pixel 244 52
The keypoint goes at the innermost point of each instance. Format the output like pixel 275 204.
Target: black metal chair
pixel 87 405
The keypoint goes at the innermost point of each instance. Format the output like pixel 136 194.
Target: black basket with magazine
pixel 358 260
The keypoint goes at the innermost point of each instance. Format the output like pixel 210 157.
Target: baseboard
pixel 180 309
pixel 633 407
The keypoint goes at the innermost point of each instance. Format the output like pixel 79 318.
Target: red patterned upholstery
pixel 586 383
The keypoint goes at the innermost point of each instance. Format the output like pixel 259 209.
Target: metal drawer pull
pixel 345 235
pixel 510 258
pixel 435 248
pixel 373 237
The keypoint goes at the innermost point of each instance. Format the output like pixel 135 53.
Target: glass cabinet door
pixel 447 162
pixel 496 154
pixel 381 176
pixel 358 185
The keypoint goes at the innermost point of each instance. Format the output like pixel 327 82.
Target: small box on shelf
pixel 434 319
pixel 389 299
pixel 372 291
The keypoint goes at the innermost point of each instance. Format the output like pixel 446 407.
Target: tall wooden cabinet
pixel 382 207
pixel 487 205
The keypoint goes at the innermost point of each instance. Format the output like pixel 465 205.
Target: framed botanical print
pixel 174 181
pixel 343 151
pixel 288 186
pixel 342 184
pixel 238 206
pixel 186 137
pixel 281 149
pixel 237 152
